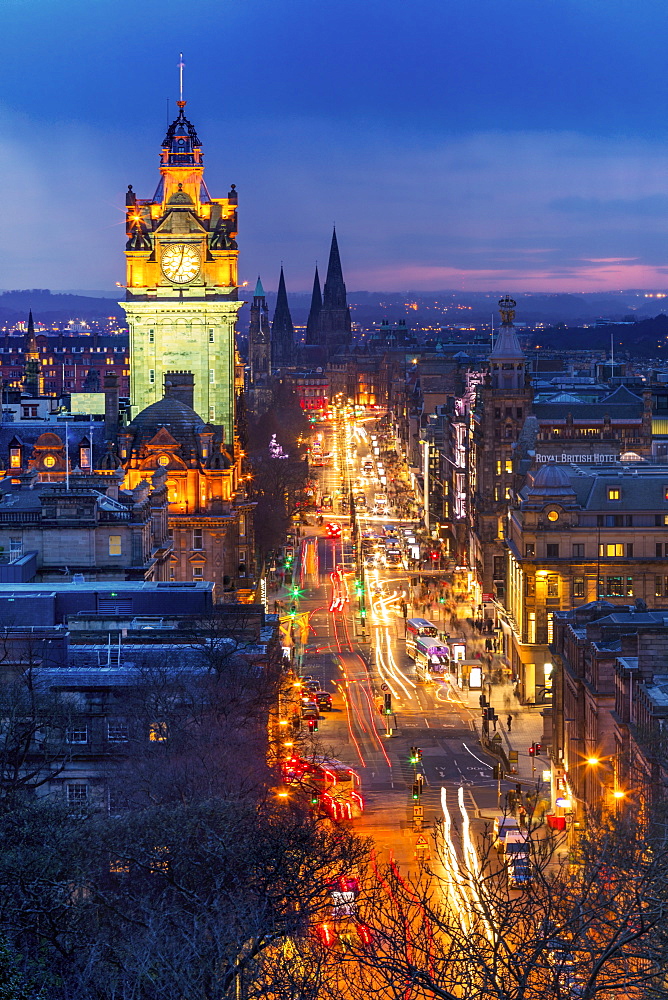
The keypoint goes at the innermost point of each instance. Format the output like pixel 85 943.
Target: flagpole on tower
pixel 181 68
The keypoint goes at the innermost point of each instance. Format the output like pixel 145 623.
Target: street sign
pixel 512 756
pixel 418 811
pixel 384 687
pixel 421 843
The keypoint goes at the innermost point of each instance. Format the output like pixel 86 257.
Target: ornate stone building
pixel 210 520
pixel 504 399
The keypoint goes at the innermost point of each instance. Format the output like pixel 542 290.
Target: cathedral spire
pixel 282 328
pixel 334 325
pixel 259 290
pixel 334 294
pixel 312 325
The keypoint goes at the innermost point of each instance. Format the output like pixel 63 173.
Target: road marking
pixel 484 762
pixel 426 723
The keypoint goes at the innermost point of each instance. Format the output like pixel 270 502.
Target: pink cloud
pixel 603 275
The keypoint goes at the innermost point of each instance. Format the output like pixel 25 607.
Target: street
pixel 356 650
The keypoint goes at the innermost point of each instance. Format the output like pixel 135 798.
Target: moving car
pixel 323 700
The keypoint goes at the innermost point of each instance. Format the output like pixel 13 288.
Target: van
pixel 503 826
pixel 517 859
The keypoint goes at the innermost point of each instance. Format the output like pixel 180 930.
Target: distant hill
pixel 54 307
pixel 647 337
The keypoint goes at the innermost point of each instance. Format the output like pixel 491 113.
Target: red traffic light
pixel 434 555
pixel 532 750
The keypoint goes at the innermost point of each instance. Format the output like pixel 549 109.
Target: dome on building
pixel 550 480
pixel 178 418
pixel 181 197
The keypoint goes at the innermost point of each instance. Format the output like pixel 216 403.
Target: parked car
pixel 323 700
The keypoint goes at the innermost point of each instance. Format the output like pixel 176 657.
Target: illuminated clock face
pixel 180 262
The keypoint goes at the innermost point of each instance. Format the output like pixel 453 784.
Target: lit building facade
pixel 580 535
pixel 182 296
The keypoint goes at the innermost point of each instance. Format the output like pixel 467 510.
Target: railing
pixel 25 516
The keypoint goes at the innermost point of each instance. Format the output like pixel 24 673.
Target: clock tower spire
pixel 182 298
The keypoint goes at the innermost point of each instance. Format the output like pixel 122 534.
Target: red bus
pixel 332 785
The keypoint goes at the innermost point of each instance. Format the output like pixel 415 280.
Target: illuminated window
pixel 114 545
pixel 550 627
pixel 553 585
pixel 84 458
pixel 509 465
pixel 530 550
pixel 578 587
pixel 532 626
pixel 15 458
pixel 49 461
pixel 163 460
pixel 158 732
pixel 498 467
pixel 611 550
pixel 614 493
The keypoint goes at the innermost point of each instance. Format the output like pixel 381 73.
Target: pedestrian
pixel 509 722
pixel 522 818
pixel 511 800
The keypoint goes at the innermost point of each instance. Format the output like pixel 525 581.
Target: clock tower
pixel 182 296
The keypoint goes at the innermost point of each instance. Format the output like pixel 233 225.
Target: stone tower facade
pixel 504 401
pixel 182 288
pixel 259 337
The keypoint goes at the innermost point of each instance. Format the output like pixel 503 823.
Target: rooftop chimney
pixel 110 406
pixel 181 386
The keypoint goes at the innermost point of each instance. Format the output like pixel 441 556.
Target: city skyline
pixel 471 149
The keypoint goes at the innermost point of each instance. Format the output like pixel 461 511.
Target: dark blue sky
pixel 471 144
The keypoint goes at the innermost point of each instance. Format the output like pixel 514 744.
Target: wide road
pixel 360 659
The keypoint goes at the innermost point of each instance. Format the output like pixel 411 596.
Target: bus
pixel 331 785
pixel 432 657
pixel 416 627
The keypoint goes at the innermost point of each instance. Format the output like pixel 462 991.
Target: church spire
pixel 282 328
pixel 334 326
pixel 32 381
pixel 334 294
pixel 312 325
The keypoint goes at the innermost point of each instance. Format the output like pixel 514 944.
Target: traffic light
pixel 414 755
pixel 417 789
pixel 388 703
pixel 313 725
pixel 314 798
pixel 295 592
pixel 498 772
pixel 419 754
pixel 539 748
pixel 434 554
pixel 359 588
pixel 485 713
pixel 532 750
